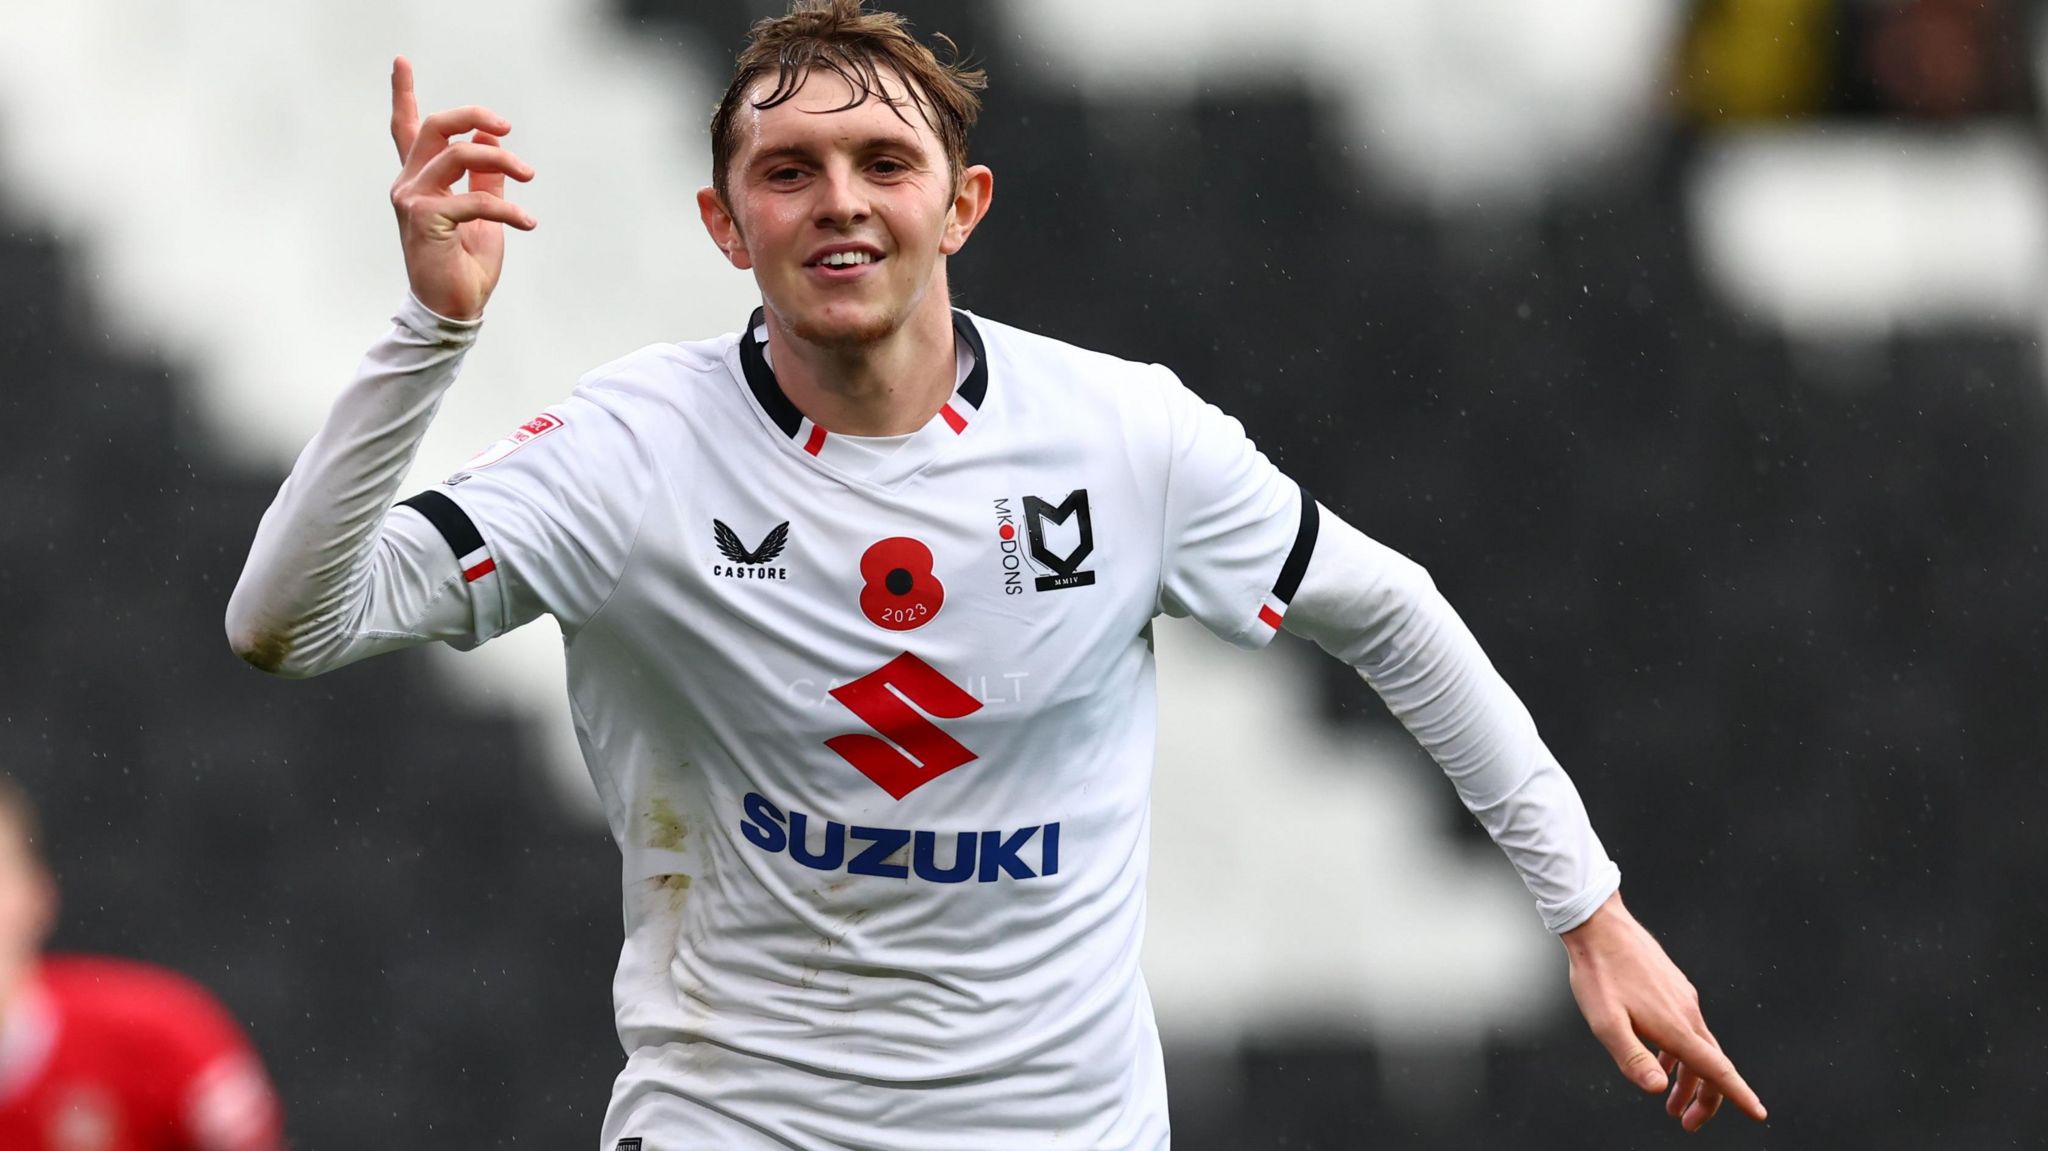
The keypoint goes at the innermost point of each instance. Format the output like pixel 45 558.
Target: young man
pixel 106 1054
pixel 856 604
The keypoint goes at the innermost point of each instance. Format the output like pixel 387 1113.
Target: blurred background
pixel 1694 348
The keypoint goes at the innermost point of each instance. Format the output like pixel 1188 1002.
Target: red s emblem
pixel 889 699
pixel 899 591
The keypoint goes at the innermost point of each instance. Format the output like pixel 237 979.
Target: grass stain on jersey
pixel 268 651
pixel 666 829
pixel 678 888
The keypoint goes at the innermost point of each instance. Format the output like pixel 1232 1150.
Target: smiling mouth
pixel 846 260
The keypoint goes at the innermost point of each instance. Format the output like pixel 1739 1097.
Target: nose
pixel 842 197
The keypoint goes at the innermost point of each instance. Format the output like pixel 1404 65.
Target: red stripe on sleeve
pixel 1270 617
pixel 481 570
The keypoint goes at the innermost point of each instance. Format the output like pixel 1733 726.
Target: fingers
pixel 1684 1087
pixel 429 195
pixel 1702 1108
pixel 481 180
pixel 477 158
pixel 435 132
pixel 1635 1060
pixel 480 206
pixel 1701 1053
pixel 1693 1100
pixel 405 108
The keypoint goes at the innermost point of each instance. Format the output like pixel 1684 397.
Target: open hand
pixel 1630 991
pixel 454 244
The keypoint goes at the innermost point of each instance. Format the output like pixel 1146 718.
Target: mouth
pixel 844 263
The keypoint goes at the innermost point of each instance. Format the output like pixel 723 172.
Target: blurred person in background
pixel 101 1054
pixel 933 493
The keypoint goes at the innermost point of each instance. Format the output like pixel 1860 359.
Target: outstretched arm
pixel 335 574
pixel 331 578
pixel 1380 613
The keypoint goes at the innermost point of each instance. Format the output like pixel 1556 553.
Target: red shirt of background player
pixel 109 1055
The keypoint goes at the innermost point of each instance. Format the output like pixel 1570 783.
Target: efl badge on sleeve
pixel 521 436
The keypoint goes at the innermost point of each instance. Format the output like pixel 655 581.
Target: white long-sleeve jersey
pixel 873 722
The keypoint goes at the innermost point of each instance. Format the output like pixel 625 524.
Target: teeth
pixel 842 259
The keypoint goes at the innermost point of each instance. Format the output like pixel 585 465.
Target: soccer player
pixel 856 604
pixel 107 1054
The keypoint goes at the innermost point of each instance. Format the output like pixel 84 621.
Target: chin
pixel 830 328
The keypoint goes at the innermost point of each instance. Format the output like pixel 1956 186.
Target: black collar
pixel 768 391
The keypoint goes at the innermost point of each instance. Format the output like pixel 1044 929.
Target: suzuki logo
pixel 889 699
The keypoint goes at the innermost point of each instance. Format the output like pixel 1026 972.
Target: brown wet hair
pixel 842 37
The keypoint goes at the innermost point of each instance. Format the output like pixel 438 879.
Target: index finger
pixel 405 108
pixel 1701 1053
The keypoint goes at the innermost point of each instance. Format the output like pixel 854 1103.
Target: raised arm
pixel 333 574
pixel 1380 613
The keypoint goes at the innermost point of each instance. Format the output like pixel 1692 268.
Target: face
pixel 28 903
pixel 844 217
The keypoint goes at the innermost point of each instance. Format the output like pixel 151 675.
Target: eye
pixel 785 175
pixel 886 167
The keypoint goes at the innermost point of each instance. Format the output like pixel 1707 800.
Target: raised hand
pixel 454 244
pixel 1630 991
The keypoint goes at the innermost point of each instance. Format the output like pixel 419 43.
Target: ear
pixel 971 199
pixel 724 229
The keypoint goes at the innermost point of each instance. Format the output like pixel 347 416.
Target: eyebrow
pixel 871 144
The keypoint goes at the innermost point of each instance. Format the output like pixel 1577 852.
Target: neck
pixel 890 387
pixel 12 984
